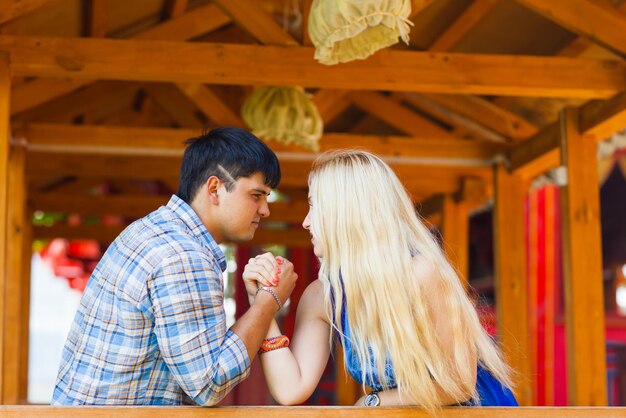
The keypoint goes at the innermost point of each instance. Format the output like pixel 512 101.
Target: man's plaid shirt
pixel 151 327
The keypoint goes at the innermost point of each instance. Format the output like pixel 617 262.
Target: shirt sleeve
pixel 206 359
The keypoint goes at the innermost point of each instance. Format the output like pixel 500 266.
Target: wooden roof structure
pixel 104 91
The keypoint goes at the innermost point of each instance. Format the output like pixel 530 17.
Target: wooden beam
pixel 98 100
pixel 210 104
pixel 18 225
pixel 474 13
pixel 249 15
pixel 134 206
pixel 598 120
pixel 5 91
pixel 306 9
pixel 396 115
pixel 487 114
pixel 190 25
pixel 419 180
pixel 386 70
pixel 455 233
pixel 173 102
pixel 97 18
pixel 582 266
pixel 176 8
pixel 601 23
pixel 452 118
pixel 510 271
pixel 331 103
pixel 602 119
pixel 12 9
pixel 169 142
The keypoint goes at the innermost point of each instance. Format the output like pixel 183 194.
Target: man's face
pixel 242 208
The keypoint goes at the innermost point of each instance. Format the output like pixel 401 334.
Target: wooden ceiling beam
pixel 210 104
pixel 598 22
pixel 251 17
pixel 12 9
pixel 190 25
pixel 452 118
pixel 396 115
pixel 97 18
pixel 169 142
pixel 597 119
pixel 387 70
pixel 487 114
pixel 474 13
pixel 176 8
pixel 331 103
pixel 419 180
pixel 174 103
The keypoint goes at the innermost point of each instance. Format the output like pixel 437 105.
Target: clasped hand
pixel 267 270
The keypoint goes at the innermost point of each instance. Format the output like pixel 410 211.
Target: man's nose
pixel 264 209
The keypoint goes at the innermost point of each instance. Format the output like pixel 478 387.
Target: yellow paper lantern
pixel 345 30
pixel 284 114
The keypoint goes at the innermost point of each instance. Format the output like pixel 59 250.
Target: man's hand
pixel 267 270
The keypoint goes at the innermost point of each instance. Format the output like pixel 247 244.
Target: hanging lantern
pixel 284 114
pixel 345 30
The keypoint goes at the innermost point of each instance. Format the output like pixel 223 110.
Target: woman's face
pixel 306 224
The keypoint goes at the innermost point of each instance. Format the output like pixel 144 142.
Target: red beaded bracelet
pixel 274 344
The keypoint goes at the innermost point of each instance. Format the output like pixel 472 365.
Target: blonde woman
pixel 386 293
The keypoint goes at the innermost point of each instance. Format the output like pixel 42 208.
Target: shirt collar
pixel 192 221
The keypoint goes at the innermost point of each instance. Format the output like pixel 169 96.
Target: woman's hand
pixel 262 270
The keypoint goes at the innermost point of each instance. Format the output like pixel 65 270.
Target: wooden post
pixel 510 280
pixel 5 93
pixel 16 281
pixel 582 266
pixel 456 235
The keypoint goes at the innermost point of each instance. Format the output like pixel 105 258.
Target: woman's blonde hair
pixel 369 233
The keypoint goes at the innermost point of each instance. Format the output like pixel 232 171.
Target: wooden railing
pixel 304 412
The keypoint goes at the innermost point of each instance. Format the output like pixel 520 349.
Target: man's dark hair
pixel 227 153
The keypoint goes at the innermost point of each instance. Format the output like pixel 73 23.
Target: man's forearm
pixel 253 325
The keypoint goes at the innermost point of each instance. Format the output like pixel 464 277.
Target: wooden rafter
pixel 174 103
pixel 176 8
pixel 599 119
pixel 474 13
pixel 396 115
pixel 169 142
pixel 451 117
pixel 190 25
pixel 251 17
pixel 210 104
pixel 97 18
pixel 331 103
pixel 599 22
pixel 387 70
pixel 12 9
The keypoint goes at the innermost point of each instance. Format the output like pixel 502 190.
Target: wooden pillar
pixel 5 92
pixel 510 280
pixel 582 266
pixel 455 234
pixel 17 282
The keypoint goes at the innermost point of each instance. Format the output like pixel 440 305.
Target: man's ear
pixel 213 185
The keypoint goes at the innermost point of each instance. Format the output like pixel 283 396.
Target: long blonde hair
pixel 369 233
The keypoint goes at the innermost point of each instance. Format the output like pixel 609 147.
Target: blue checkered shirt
pixel 151 327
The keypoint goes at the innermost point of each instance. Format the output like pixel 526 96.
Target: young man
pixel 151 327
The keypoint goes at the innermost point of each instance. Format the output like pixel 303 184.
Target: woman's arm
pixel 293 373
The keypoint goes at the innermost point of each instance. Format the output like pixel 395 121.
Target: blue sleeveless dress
pixel 490 391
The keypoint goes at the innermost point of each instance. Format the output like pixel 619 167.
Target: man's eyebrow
pixel 262 191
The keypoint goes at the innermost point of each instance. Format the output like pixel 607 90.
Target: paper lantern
pixel 345 30
pixel 284 114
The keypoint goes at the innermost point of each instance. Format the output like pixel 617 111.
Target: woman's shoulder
pixel 312 300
